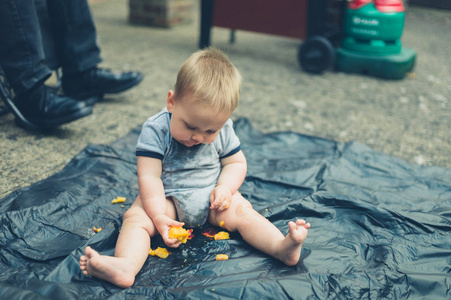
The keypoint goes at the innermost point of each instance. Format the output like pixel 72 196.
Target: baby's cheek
pixel 181 136
pixel 210 139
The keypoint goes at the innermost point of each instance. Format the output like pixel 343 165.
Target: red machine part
pixel 381 5
pixel 389 5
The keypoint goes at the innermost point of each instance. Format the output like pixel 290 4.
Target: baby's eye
pixel 190 127
pixel 211 131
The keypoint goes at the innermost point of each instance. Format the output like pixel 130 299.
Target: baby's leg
pixel 260 233
pixel 132 249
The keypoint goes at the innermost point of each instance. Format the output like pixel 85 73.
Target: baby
pixel 190 166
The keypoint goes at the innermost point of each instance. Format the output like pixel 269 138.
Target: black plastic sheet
pixel 380 227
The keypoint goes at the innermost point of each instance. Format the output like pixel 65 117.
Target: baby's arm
pixel 232 175
pixel 151 192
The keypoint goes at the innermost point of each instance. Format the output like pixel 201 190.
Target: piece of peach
pixel 180 234
pixel 160 252
pixel 222 257
pixel 222 235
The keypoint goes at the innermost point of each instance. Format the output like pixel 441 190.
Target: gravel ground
pixel 408 118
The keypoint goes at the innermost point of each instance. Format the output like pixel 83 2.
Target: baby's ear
pixel 170 102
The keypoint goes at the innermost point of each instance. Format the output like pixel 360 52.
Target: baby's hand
pixel 163 223
pixel 220 198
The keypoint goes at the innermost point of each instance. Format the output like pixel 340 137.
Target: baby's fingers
pixel 216 202
pixel 224 205
pixel 212 199
pixel 173 243
pixel 177 224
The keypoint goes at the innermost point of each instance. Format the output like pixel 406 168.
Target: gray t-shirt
pixel 189 174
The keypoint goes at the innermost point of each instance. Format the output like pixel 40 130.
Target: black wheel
pixel 316 55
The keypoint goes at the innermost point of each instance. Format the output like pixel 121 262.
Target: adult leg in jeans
pixel 76 40
pixel 21 52
pixel 74 35
pixel 22 59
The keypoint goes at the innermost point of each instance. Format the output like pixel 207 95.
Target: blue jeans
pixel 22 55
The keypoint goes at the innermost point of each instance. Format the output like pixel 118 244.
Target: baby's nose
pixel 197 138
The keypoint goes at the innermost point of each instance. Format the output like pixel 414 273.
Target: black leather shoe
pixel 44 108
pixel 96 82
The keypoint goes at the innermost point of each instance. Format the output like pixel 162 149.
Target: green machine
pixel 372 40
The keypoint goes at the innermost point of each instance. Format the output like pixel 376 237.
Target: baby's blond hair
pixel 211 78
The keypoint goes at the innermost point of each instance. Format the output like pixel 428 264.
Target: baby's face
pixel 194 123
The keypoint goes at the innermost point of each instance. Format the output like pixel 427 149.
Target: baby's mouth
pixel 190 144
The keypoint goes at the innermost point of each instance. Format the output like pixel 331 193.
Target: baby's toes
pixel 300 233
pixel 300 222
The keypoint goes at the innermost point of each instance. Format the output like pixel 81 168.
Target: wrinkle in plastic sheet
pixel 380 227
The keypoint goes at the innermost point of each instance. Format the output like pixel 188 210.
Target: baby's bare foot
pixel 292 244
pixel 113 269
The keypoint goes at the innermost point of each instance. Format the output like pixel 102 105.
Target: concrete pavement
pixel 409 118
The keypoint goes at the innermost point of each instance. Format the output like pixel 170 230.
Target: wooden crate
pixel 160 13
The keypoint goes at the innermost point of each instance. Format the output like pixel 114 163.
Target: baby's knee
pixel 243 207
pixel 138 218
pixel 131 213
